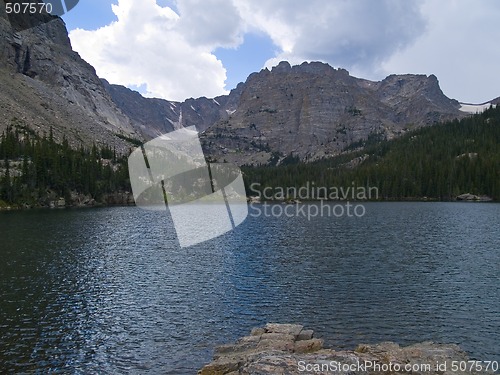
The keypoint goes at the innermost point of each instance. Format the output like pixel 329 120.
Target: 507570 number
pixel 24 8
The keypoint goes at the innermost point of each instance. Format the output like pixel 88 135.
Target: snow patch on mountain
pixel 475 108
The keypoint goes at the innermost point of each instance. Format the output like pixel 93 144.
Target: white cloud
pixel 172 54
pixel 145 47
pixel 459 47
pixel 356 35
pixel 210 23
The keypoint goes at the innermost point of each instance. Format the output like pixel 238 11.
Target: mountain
pixel 313 111
pixel 309 111
pixel 305 112
pixel 44 83
pixel 153 117
pixel 457 159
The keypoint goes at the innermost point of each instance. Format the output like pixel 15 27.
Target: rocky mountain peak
pixel 313 110
pixel 44 83
pixel 282 67
pixel 307 111
pixel 313 68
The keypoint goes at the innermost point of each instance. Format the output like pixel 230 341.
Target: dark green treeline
pixel 35 166
pixel 438 162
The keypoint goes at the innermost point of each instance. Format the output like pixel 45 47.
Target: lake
pixel 110 290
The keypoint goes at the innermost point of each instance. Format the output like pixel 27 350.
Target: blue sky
pixel 90 15
pixel 247 58
pixel 177 49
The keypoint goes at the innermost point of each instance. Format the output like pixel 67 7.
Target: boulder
pixel 473 198
pixel 305 334
pixel 308 346
pixel 287 329
pixel 289 349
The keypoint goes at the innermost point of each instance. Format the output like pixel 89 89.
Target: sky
pixel 177 49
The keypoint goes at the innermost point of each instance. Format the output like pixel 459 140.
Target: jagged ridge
pixel 45 83
pixel 309 111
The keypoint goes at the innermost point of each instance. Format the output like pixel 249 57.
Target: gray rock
pixel 313 110
pixel 221 367
pixel 276 345
pixel 287 329
pixel 305 334
pixel 279 358
pixel 471 197
pixel 308 346
pixel 61 203
pixel 257 331
pixel 44 82
pixel 467 197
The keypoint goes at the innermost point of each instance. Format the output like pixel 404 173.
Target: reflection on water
pixel 110 290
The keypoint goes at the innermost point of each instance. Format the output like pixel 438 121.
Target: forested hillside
pixel 34 169
pixel 438 162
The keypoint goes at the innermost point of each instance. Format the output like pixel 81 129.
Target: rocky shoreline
pixel 76 200
pixel 127 199
pixel 474 198
pixel 460 198
pixel 290 349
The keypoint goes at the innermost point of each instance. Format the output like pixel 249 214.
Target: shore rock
pixel 119 199
pixel 290 349
pixel 473 198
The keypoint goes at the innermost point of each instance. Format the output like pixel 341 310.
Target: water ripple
pixel 110 291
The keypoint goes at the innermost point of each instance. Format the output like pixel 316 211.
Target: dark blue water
pixel 110 291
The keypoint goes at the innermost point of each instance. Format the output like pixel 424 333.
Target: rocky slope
pixel 289 349
pixel 157 116
pixel 44 83
pixel 309 111
pixel 313 111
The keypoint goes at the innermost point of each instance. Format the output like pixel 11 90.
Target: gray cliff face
pixel 45 83
pixel 152 116
pixel 314 111
pixel 309 111
pixel 416 99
